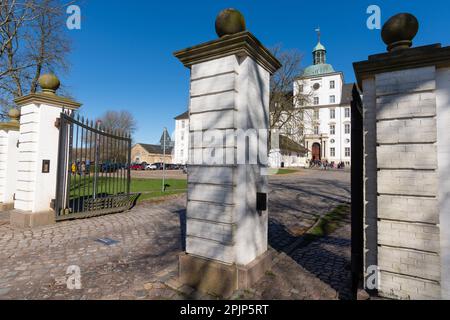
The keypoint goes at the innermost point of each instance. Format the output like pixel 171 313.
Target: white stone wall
pixel 222 223
pixel 370 175
pixel 408 233
pixel 38 141
pixel 3 164
pixel 443 133
pixel 290 160
pixel 8 165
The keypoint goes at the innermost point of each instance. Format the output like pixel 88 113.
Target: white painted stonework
pixel 8 165
pixel 407 189
pixel 38 141
pixel 222 222
pixel 443 159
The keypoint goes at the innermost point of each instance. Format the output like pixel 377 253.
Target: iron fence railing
pixel 93 175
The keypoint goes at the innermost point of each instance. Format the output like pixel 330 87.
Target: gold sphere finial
pixel 14 115
pixel 49 83
pixel 229 21
pixel 399 31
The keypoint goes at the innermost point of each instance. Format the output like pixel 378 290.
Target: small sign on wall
pixel 45 166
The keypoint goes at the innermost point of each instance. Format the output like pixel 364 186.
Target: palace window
pixel 316 114
pixel 301 115
pixel 332 152
pixel 347 129
pixel 347 112
pixel 347 152
pixel 183 124
pixel 332 114
pixel 332 84
pixel 316 101
pixel 300 88
pixel 332 129
pixel 332 99
pixel 316 130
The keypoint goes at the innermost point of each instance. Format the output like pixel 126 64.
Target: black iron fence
pixel 93 175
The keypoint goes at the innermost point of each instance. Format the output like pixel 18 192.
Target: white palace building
pixel 326 125
pixel 327 120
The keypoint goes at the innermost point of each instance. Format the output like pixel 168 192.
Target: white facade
pixel 278 159
pixel 181 148
pixel 326 110
pixel 8 165
pixel 327 119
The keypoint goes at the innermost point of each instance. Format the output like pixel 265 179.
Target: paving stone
pixel 147 254
pixel 4 291
pixel 174 284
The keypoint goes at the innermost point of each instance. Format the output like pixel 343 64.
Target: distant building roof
pixel 320 65
pixel 347 93
pixel 289 145
pixel 155 148
pixel 319 47
pixel 318 70
pixel 184 116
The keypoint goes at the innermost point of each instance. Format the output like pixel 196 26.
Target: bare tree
pixel 32 41
pixel 286 115
pixel 122 121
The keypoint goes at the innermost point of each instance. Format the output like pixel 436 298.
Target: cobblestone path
pixel 143 264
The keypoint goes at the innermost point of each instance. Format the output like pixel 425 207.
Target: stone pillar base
pixel 24 220
pixel 214 277
pixel 6 206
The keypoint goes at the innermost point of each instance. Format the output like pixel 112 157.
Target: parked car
pixel 109 167
pixel 151 167
pixel 159 165
pixel 137 167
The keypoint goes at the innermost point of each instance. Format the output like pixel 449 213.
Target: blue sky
pixel 122 57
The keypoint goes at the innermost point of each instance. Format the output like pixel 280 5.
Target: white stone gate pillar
pixel 226 233
pixel 407 164
pixel 9 137
pixel 38 154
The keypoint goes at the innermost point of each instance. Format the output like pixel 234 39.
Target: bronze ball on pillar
pixel 49 83
pixel 399 31
pixel 14 115
pixel 229 21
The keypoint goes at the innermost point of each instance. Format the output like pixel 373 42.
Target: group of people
pixel 81 168
pixel 325 165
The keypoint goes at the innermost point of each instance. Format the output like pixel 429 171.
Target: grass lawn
pixel 331 221
pixel 281 171
pixel 150 188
